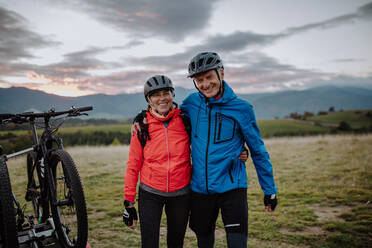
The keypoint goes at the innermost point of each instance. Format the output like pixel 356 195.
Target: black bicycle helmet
pixel 155 83
pixel 204 62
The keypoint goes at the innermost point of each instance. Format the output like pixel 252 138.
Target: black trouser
pixel 150 208
pixel 234 211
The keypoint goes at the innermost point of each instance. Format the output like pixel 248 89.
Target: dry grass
pixel 324 187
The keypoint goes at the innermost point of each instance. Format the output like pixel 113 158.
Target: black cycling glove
pixel 271 200
pixel 129 214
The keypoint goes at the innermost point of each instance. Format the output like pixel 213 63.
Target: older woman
pixel 162 159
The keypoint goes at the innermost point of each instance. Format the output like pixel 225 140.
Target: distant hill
pixel 267 106
pixel 313 100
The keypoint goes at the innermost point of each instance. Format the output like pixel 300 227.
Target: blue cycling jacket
pixel 219 130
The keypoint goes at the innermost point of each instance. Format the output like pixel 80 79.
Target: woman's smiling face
pixel 162 101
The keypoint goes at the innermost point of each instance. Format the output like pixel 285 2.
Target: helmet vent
pixel 193 66
pixel 156 81
pixel 204 62
pixel 209 61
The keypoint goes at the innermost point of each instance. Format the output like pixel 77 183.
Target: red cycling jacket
pixel 164 163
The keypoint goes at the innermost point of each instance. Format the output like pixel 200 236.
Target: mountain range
pixel 266 105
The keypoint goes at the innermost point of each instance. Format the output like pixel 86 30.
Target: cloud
pixel 169 63
pixel 16 40
pixel 75 70
pixel 349 60
pixel 258 72
pixel 344 81
pixel 236 41
pixel 167 19
pixel 122 82
pixel 130 44
pixel 363 13
pixel 78 64
pixel 246 69
pixel 240 40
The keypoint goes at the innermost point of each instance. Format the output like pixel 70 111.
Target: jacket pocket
pixel 224 128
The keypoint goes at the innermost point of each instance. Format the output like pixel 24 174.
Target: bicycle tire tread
pixel 79 198
pixel 8 227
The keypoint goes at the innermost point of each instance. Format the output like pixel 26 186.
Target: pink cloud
pixel 5 68
pixel 78 69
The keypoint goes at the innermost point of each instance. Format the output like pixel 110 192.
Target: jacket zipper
pixel 166 140
pixel 206 155
pixel 219 126
pixel 230 169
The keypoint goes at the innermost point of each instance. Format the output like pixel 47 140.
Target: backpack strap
pixel 143 135
pixel 186 123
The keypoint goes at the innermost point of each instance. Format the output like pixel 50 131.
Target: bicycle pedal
pixel 31 193
pixel 26 226
pixel 28 196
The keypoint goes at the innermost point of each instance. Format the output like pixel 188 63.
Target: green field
pixel 324 183
pixel 124 128
pixel 288 127
pixel 356 121
pixel 268 128
pixel 16 140
pixel 356 118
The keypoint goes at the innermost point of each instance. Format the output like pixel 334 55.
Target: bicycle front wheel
pixel 36 191
pixel 8 227
pixel 69 212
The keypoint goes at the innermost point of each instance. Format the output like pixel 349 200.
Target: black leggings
pixel 150 208
pixel 234 210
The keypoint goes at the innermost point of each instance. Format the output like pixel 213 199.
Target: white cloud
pixel 113 46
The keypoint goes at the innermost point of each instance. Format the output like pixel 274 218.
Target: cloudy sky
pixel 80 47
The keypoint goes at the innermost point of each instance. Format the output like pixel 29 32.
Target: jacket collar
pixel 155 118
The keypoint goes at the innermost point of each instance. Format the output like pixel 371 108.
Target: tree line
pixel 13 143
pixel 69 122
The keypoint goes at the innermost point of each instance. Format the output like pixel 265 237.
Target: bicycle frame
pixel 47 135
pixel 42 150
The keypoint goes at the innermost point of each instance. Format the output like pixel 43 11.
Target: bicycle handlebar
pixel 73 111
pixel 24 117
pixel 6 116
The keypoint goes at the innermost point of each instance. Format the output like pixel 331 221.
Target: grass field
pixel 324 182
pixel 355 118
pixel 268 128
pixel 287 127
pixel 125 128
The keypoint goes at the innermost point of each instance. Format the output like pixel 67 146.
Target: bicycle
pixel 54 187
